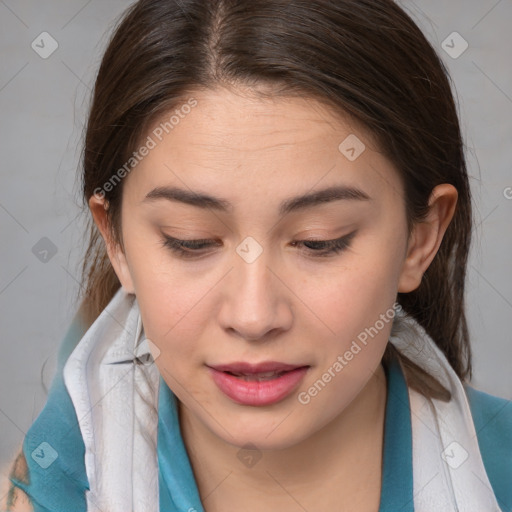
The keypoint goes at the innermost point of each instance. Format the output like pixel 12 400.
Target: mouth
pixel 258 384
pixel 258 377
pixel 246 368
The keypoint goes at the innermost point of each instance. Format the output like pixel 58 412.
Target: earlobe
pixel 427 236
pixel 98 206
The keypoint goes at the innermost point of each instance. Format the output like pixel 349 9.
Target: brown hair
pixel 364 58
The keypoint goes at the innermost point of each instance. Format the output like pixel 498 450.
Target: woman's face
pixel 256 291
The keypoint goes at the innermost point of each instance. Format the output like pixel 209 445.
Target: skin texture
pixel 288 305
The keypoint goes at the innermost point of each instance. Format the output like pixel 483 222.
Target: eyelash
pixel 327 247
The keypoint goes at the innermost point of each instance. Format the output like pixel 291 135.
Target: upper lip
pixel 249 369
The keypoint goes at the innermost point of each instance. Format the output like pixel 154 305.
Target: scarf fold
pixel 448 469
pixel 117 424
pixel 114 385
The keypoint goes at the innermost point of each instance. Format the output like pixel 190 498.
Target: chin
pixel 271 436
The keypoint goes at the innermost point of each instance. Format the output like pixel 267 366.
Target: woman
pixel 273 312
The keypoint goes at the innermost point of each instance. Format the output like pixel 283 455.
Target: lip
pixel 250 368
pixel 257 393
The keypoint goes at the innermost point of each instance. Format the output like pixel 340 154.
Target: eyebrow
pixel 293 204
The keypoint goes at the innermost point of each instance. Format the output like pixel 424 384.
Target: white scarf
pixel 122 465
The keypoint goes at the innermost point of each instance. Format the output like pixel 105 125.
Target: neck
pixel 342 461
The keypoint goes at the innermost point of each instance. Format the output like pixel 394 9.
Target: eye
pixel 315 248
pixel 186 248
pixel 323 248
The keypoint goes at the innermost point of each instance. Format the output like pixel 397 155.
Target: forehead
pixel 240 120
pixel 226 140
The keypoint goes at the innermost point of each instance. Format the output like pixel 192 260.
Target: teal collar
pixel 178 489
pixel 397 477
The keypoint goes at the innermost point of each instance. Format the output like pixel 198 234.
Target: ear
pixel 427 236
pixel 98 206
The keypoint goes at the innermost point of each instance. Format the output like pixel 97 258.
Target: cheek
pixel 174 325
pixel 353 297
pixel 175 308
pixel 356 309
pixel 355 303
pixel 165 296
pixel 173 316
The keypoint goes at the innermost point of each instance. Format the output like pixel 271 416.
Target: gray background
pixel 43 104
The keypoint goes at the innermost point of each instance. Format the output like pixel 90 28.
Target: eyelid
pixel 321 239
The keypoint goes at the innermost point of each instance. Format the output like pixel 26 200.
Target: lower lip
pixel 258 393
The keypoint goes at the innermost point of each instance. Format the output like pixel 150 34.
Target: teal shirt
pixel 60 487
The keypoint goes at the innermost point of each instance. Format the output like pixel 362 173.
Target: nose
pixel 256 304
